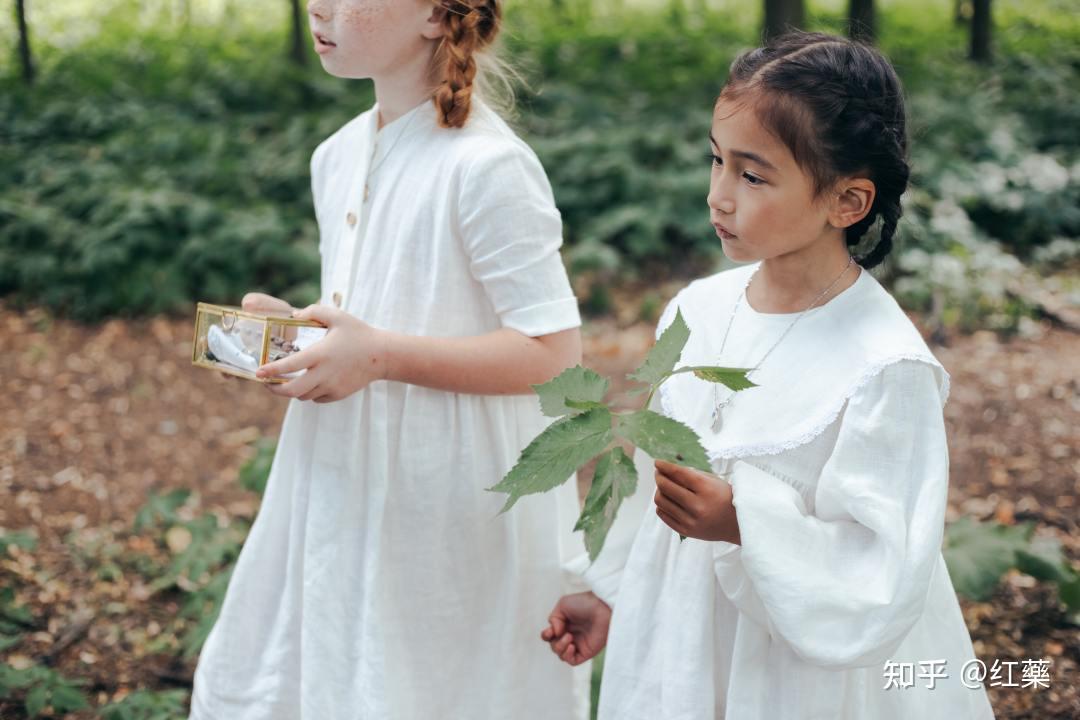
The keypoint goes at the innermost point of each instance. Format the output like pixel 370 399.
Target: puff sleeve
pixel 844 583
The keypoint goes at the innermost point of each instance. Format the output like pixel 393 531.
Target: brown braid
pixel 469 26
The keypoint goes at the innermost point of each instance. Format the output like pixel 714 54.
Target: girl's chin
pixel 737 252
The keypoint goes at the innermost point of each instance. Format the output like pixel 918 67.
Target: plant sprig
pixel 588 427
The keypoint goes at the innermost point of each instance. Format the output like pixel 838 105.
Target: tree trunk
pixel 861 20
pixel 25 56
pixel 981 24
pixel 298 52
pixel 783 15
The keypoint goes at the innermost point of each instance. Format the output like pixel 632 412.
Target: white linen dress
pixel 379 581
pixel 839 467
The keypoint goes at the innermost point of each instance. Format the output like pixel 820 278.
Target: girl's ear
pixel 434 30
pixel 852 200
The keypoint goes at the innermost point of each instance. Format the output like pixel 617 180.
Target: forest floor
pixel 94 418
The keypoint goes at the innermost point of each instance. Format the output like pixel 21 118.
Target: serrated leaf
pixel 556 454
pixel 978 554
pixel 663 438
pixel 665 353
pixel 734 378
pixel 571 392
pixel 614 481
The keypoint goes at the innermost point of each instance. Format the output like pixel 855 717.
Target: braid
pixel 468 27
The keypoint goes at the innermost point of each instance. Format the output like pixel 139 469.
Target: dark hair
pixel 838 106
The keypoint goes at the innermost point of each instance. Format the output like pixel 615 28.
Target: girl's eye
pixel 714 159
pixel 753 179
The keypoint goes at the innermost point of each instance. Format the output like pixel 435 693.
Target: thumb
pixel 319 313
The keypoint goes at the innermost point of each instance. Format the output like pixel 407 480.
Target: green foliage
pixel 256 471
pixel 588 426
pixel 979 554
pixel 665 353
pixel 148 705
pixel 24 539
pixel 160 510
pixel 42 688
pixel 615 480
pixel 571 392
pixel 153 167
pixel 556 454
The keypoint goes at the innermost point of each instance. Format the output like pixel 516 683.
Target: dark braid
pixel 838 106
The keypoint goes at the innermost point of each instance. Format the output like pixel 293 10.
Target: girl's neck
pixel 788 283
pixel 406 86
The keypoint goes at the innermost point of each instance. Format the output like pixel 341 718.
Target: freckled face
pixel 761 203
pixel 369 38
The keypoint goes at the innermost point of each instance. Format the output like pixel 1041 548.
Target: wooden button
pixel 337 300
pixel 351 219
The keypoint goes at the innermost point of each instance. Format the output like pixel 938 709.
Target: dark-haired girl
pixel 811 583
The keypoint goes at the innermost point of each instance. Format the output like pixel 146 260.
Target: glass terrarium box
pixel 234 341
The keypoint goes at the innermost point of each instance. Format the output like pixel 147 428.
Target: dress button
pixel 337 299
pixel 351 219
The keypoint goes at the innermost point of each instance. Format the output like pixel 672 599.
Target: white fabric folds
pixel 839 468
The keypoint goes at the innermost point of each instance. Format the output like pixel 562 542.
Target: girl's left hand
pixel 695 504
pixel 348 359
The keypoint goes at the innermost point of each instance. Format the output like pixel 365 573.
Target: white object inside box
pixel 235 348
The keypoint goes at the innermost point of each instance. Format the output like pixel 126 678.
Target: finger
pixel 547 633
pixel 558 624
pixel 562 643
pixel 297 361
pixel 322 314
pixel 674 491
pixel 261 302
pixel 671 522
pixel 567 655
pixel 687 477
pixel 298 387
pixel 673 510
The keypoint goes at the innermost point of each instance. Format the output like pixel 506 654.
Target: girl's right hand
pixel 577 627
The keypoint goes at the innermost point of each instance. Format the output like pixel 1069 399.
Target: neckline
pixel 839 298
pixel 399 123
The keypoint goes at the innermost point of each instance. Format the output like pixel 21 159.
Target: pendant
pixel 717 420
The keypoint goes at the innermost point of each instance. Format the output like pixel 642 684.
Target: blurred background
pixel 155 154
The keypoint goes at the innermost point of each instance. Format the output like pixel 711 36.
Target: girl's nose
pixel 319 9
pixel 719 200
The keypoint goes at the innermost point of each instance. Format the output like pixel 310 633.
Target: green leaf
pixel 978 554
pixel 556 454
pixel 734 378
pixel 614 481
pixel 66 698
pixel 572 391
pixel 1043 559
pixel 256 471
pixel 9 641
pixel 665 353
pixel 663 438
pixel 36 700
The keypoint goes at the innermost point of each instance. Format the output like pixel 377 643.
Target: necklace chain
pixel 375 149
pixel 720 405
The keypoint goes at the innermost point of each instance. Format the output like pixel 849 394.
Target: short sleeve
pixel 512 233
pixel 842 585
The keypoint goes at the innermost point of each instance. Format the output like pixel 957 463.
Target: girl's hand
pixel 348 359
pixel 695 504
pixel 265 304
pixel 577 627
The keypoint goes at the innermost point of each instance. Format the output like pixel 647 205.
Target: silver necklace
pixel 375 148
pixel 719 405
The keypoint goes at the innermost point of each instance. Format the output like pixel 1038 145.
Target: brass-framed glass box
pixel 234 341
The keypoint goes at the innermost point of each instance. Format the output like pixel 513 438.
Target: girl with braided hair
pixel 379 581
pixel 811 582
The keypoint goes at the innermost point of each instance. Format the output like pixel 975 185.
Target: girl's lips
pixel 322 45
pixel 723 232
